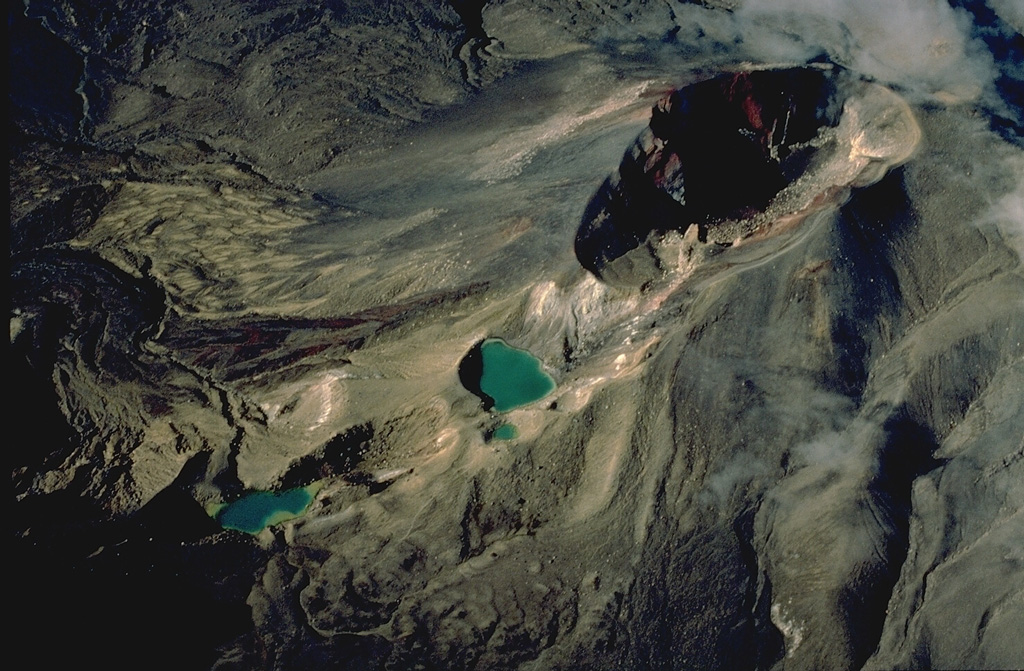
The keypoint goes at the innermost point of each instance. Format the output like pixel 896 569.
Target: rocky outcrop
pixel 714 153
pixel 735 154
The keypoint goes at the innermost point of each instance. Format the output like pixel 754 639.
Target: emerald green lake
pixel 505 432
pixel 256 511
pixel 512 377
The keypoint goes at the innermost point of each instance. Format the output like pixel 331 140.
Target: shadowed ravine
pixel 768 254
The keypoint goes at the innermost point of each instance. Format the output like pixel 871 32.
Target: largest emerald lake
pixel 511 377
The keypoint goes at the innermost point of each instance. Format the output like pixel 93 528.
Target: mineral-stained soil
pixel 252 244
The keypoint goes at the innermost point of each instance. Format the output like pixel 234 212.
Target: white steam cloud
pixel 1007 213
pixel 1010 11
pixel 921 46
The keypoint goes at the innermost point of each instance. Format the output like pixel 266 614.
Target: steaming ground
pixel 799 451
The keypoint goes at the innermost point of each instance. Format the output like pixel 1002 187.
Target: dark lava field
pixel 756 266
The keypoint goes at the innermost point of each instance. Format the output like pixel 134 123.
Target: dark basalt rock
pixel 133 576
pixel 470 369
pixel 337 457
pixel 45 73
pixel 715 151
pixel 88 304
pixel 61 219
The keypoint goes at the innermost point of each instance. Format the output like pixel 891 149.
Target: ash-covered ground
pixel 252 243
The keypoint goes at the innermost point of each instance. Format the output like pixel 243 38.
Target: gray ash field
pixel 769 252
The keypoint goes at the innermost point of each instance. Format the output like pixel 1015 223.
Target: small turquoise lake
pixel 510 377
pixel 505 432
pixel 256 511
